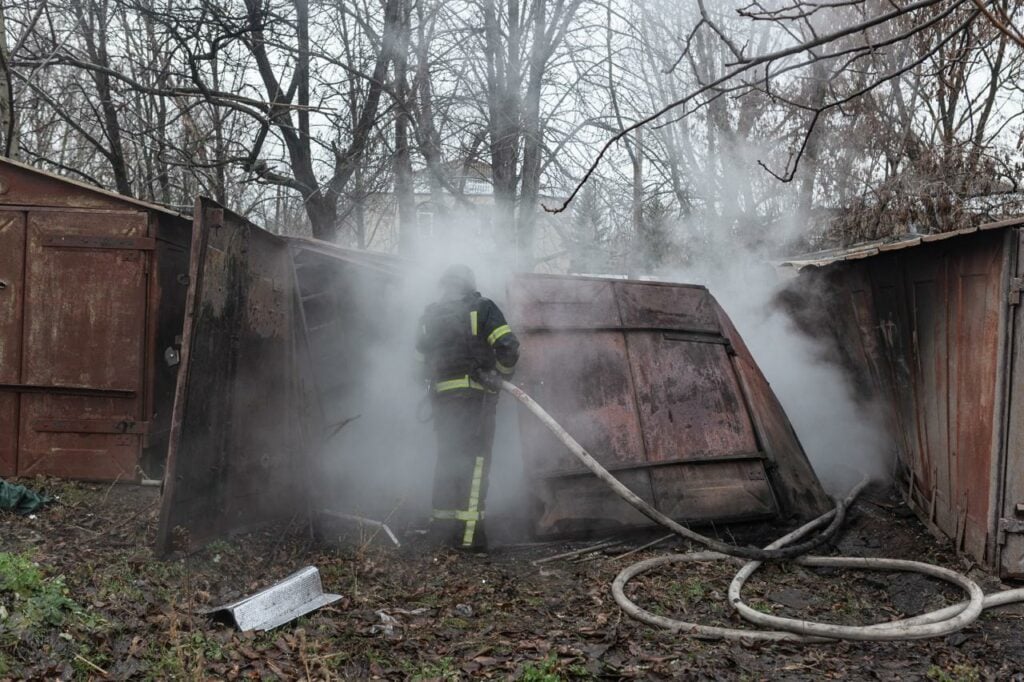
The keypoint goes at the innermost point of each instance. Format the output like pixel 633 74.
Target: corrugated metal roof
pixel 93 188
pixel 868 249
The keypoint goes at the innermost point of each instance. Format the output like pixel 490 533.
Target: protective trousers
pixel 464 423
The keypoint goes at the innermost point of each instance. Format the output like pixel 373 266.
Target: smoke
pixel 743 219
pixel 844 437
pixel 381 464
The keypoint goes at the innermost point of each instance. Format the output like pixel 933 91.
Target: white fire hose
pixel 933 624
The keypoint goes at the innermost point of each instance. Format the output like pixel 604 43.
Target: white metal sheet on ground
pixel 300 593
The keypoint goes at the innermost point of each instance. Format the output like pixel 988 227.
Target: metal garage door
pixel 72 342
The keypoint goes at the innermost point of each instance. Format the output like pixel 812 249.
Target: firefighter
pixel 467 347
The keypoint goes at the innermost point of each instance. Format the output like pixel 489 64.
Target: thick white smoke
pixel 384 460
pixel 381 464
pixel 844 438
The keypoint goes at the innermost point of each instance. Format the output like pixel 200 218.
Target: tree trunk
pixel 638 182
pixel 819 90
pixel 94 28
pixel 503 109
pixel 533 143
pixel 8 119
pixel 429 140
pixel 405 190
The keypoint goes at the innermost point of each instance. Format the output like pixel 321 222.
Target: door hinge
pixel 1009 526
pixel 1016 286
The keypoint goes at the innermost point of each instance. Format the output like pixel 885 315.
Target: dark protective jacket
pixel 459 338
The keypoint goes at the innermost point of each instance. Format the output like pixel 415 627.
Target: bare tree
pixel 854 33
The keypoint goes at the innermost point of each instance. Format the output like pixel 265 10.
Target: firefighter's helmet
pixel 459 277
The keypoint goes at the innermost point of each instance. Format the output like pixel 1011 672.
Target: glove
pixel 490 379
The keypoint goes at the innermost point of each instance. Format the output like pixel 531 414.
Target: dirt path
pixel 423 613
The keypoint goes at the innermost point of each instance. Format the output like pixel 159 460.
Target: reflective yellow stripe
pixel 503 369
pixel 498 333
pixel 457 515
pixel 472 321
pixel 474 502
pixel 452 384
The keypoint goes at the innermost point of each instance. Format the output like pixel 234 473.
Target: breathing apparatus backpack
pixel 452 349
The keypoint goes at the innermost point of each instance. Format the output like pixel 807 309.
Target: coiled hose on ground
pixel 789 547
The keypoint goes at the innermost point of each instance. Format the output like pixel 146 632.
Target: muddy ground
pixel 81 596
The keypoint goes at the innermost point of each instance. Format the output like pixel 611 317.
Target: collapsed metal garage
pixel 133 339
pixel 276 337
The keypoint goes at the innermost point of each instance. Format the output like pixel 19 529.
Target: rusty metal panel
pixel 8 433
pixel 84 308
pixel 92 241
pixel 556 303
pixel 80 312
pixel 234 459
pixel 84 328
pixel 588 388
pixel 123 426
pixel 1010 520
pixel 792 480
pixel 70 454
pixel 655 305
pixel 643 376
pixel 689 399
pixel 9 420
pixel 26 186
pixel 12 258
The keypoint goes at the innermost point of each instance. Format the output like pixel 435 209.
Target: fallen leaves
pixel 428 614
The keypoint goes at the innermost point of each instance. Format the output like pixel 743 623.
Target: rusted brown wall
pixel 1010 521
pixel 654 382
pixel 236 453
pixel 22 186
pixel 12 262
pixel 170 287
pixel 921 332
